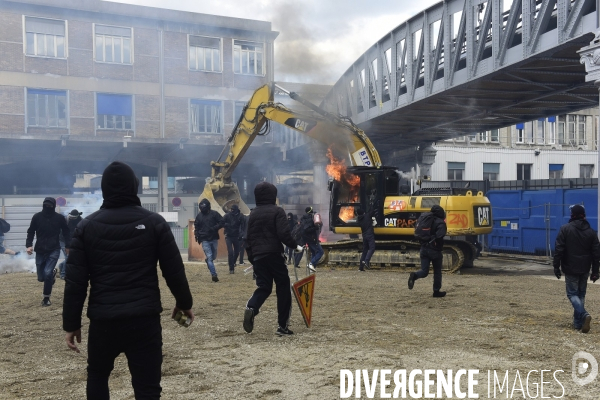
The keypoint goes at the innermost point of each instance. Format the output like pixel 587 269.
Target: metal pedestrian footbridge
pixel 466 66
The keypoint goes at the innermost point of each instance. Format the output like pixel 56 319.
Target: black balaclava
pixel 119 186
pixel 204 206
pixel 438 212
pixel 290 216
pixel 49 206
pixel 265 193
pixel 577 212
pixel 235 210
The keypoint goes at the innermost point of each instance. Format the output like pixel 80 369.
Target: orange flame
pixel 337 170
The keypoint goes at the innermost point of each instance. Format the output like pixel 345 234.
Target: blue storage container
pixel 527 221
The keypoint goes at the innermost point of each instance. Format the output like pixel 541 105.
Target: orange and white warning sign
pixel 303 291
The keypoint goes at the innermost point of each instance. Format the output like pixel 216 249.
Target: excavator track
pixel 394 254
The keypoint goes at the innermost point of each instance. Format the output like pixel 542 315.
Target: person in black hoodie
pixel 73 218
pixel 368 236
pixel 310 235
pixel 267 229
pixel 576 250
pixel 289 251
pixel 431 252
pixel 47 226
pixel 206 230
pixel 116 250
pixel 234 223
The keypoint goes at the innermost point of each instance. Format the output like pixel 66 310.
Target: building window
pixel 555 171
pixel 491 171
pixel 541 131
pixel 571 123
pixel 45 37
pixel 523 172
pixel 114 111
pixel 520 133
pixel 248 58
pixel 561 130
pixel 581 130
pixel 483 137
pixel 79 176
pixel 205 54
pixel 205 116
pixel 586 170
pixel 113 44
pixel 495 135
pixel 551 130
pixel 47 108
pixel 456 171
pixel 238 108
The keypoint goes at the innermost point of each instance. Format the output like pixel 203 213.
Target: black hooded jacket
pixel 47 225
pixel 577 248
pixel 235 224
pixel 365 222
pixel 267 225
pixel 206 226
pixel 116 250
pixel 439 228
pixel 310 231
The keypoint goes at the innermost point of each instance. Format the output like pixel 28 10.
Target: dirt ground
pixel 501 315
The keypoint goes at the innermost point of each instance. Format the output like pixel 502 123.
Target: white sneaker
pixel 312 267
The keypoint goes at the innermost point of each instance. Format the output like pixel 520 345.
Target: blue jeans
pixel 317 252
pixel 576 287
pixel 45 264
pixel 434 257
pixel 210 250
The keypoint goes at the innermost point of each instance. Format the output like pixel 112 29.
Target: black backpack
pixel 297 234
pixel 4 226
pixel 423 227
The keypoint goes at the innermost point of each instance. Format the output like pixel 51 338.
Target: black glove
pixel 594 277
pixel 557 273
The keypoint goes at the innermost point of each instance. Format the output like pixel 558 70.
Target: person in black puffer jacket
pixel 47 226
pixel 365 221
pixel 115 250
pixel 73 218
pixel 267 229
pixel 234 223
pixel 431 253
pixel 206 230
pixel 576 250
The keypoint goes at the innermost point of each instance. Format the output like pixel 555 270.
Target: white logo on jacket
pixel 140 226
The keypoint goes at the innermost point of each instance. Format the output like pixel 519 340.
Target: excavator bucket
pixel 221 198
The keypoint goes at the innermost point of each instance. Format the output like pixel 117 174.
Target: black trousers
pixel 434 257
pixel 268 269
pixel 141 341
pixel 242 250
pixel 368 248
pixel 233 251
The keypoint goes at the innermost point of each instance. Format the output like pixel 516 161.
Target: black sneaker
pixel 437 293
pixel 284 332
pixel 411 280
pixel 46 302
pixel 231 271
pixel 362 266
pixel 367 265
pixel 248 319
pixel 215 278
pixel 586 324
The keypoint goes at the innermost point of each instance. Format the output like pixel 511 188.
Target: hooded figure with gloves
pixel 206 230
pixel 576 251
pixel 47 226
pixel 431 253
pixel 115 251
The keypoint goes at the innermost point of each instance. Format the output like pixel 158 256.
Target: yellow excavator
pixel 365 184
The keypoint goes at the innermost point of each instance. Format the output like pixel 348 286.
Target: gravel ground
pixel 501 315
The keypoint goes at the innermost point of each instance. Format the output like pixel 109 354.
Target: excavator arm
pixel 345 139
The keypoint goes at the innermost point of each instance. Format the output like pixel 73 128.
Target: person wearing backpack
pixel 430 229
pixel 5 227
pixel 366 222
pixel 310 236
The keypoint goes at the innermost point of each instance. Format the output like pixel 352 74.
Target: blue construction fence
pixel 527 221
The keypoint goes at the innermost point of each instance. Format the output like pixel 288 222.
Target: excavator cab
pixel 360 187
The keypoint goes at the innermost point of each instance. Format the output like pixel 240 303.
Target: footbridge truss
pixel 466 66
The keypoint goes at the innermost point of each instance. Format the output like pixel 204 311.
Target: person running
pixel 233 222
pixel 310 235
pixel 206 231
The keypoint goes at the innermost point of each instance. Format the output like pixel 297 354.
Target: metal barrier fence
pixel 181 237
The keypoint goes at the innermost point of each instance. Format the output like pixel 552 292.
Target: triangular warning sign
pixel 303 291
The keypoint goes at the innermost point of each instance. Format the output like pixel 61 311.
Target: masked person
pixel 267 230
pixel 73 218
pixel 289 251
pixel 365 221
pixel 233 222
pixel 576 251
pixel 116 251
pixel 206 230
pixel 431 252
pixel 244 233
pixel 310 235
pixel 47 226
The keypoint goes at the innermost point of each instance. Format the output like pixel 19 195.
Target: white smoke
pixel 406 175
pixel 19 263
